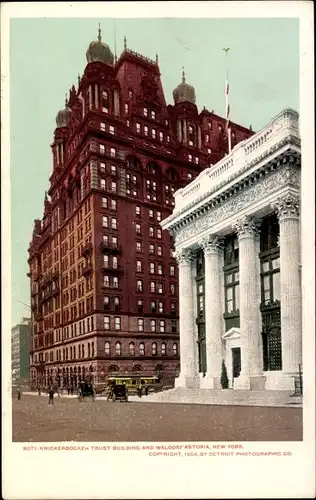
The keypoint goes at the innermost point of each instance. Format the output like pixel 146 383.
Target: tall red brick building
pixel 104 293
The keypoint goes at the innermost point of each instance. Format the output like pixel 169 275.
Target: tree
pixel 224 377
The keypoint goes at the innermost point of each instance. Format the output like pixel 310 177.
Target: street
pixel 68 420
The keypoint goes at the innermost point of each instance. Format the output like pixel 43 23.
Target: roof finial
pixel 79 78
pixel 66 101
pixel 125 43
pixel 183 75
pixel 99 33
pixel 156 58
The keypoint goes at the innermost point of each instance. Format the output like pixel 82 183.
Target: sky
pixel 47 54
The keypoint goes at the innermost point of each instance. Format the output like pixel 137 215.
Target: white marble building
pixel 236 229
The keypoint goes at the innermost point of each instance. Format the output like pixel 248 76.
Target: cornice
pixel 175 221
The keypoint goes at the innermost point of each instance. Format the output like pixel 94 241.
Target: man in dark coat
pixel 51 396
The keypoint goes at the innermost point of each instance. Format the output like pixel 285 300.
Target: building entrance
pixel 236 362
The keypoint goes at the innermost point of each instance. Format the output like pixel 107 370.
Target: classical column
pixel 189 373
pixel 213 256
pixel 287 208
pixel 251 375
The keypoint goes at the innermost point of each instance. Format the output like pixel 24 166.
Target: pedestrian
pixel 19 394
pixel 68 390
pixel 51 396
pixel 72 390
pixel 140 390
pixel 146 390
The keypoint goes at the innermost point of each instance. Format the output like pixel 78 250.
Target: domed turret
pixel 62 117
pixel 184 92
pixel 99 51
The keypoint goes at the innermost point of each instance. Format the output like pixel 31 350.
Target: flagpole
pixel 228 130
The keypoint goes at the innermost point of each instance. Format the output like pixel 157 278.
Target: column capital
pixel 184 256
pixel 248 227
pixel 287 207
pixel 212 243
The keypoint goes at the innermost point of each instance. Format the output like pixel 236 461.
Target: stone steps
pixel 225 397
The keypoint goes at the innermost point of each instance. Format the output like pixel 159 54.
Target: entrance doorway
pixel 236 362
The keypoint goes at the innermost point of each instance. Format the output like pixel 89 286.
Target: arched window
pixel 107 349
pixel 137 368
pixel 113 369
pixel 163 349
pixel 154 348
pixel 118 349
pixel 142 349
pixel 132 349
pixel 175 349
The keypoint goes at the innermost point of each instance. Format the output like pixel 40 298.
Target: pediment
pixel 233 333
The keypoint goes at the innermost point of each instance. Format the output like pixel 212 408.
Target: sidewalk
pixel 226 397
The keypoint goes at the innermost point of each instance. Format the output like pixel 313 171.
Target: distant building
pixel 103 278
pixel 236 229
pixel 20 351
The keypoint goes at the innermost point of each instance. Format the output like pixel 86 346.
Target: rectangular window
pixel 140 324
pixel 115 282
pixel 114 223
pixel 105 221
pixel 111 130
pixel 139 286
pixel 152 286
pixel 138 246
pixel 139 266
pixel 102 184
pixel 160 269
pixel 117 323
pixel 160 136
pixel 113 187
pixel 106 322
pixel 138 210
pixel 162 325
pixel 113 205
pixel 138 128
pixel 138 228
pixel 114 262
pixel 151 231
pixel 159 234
pixel 158 216
pixel 113 152
pixel 145 112
pixel 102 149
pixel 104 202
pixel 103 126
pixel 152 325
pixel 172 271
pixel 146 130
pixel 151 249
pixel 152 268
pixel 153 133
pixel 113 169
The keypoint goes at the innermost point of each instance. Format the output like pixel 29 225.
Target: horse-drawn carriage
pixel 117 392
pixel 85 389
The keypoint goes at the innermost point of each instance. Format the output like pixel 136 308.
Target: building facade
pixel 20 351
pixel 104 281
pixel 237 240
